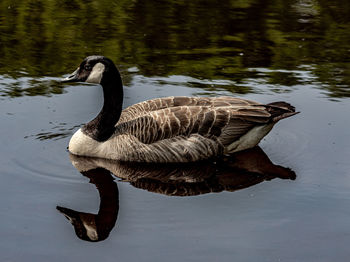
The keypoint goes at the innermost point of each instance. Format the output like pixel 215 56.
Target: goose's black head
pixel 101 70
pixel 94 69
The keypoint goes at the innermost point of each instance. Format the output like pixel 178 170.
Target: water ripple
pixel 48 169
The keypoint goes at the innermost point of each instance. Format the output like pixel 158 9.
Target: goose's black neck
pixel 103 126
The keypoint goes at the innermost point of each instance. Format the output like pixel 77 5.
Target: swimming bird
pixel 171 129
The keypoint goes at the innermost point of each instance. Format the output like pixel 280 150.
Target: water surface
pixel 296 51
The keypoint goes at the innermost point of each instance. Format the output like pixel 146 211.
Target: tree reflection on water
pixel 201 39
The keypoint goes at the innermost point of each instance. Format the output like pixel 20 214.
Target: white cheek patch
pixel 91 231
pixel 96 74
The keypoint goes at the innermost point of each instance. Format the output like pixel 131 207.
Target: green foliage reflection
pixel 203 39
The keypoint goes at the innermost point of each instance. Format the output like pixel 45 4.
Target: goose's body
pixel 171 129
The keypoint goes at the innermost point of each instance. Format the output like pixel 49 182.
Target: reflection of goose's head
pixel 84 224
pixel 96 227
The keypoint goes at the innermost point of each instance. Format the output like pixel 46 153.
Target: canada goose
pixel 170 129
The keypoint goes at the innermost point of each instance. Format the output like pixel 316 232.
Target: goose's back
pixel 148 106
pixel 168 117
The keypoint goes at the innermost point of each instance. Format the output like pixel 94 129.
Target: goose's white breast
pixel 83 145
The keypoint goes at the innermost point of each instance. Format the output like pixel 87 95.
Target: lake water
pixel 252 208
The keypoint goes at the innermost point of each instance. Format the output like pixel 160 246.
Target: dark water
pixel 251 208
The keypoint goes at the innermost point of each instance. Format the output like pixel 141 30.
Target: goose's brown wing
pixel 186 133
pixel 225 123
pixel 145 107
pixel 202 129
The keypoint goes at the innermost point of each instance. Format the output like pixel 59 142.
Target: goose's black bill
pixel 74 77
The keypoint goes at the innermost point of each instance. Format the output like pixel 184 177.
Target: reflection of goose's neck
pixel 103 126
pixel 109 198
pixel 93 227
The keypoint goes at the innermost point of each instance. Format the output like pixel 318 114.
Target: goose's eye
pixel 87 67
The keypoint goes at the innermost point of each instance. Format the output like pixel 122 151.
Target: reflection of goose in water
pixel 239 171
pixel 93 227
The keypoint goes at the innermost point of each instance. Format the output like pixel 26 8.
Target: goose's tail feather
pixel 280 110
